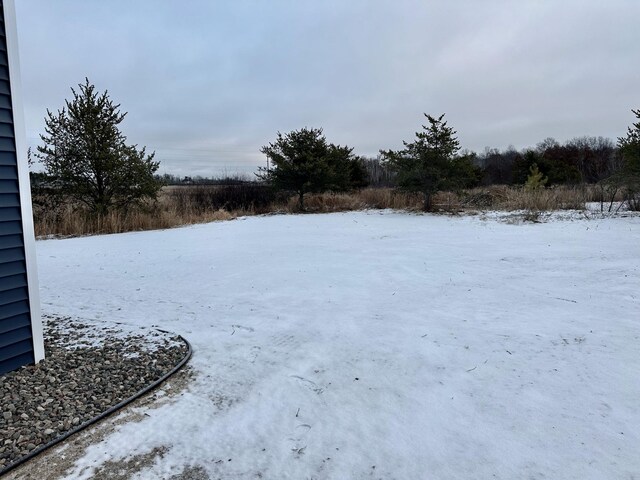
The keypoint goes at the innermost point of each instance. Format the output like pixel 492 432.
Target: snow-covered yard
pixel 377 345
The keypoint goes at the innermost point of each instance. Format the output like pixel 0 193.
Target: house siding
pixel 16 338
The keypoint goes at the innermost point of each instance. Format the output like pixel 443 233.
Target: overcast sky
pixel 207 83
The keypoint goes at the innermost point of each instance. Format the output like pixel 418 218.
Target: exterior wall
pixel 20 323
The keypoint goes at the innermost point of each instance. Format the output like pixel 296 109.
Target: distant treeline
pixel 579 160
pixel 226 179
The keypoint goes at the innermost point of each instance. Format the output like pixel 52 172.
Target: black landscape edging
pixel 104 414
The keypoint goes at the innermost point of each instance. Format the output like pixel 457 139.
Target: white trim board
pixel 23 178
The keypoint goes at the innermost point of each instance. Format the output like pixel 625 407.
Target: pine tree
pixel 428 164
pixel 86 156
pixel 302 161
pixel 536 179
pixel 630 149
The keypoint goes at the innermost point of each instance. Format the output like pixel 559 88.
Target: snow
pixel 84 333
pixel 376 344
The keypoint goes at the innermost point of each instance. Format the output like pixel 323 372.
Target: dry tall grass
pixel 520 198
pixel 192 205
pixel 72 221
pixel 374 198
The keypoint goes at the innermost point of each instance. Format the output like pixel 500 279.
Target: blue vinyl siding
pixel 16 343
pixel 15 336
pixel 13 281
pixel 18 322
pixel 8 186
pixel 10 199
pixel 11 255
pixel 8 214
pixel 7 172
pixel 11 228
pixel 14 295
pixel 5 116
pixel 10 241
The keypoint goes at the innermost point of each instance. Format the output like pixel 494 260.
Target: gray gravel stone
pixel 87 369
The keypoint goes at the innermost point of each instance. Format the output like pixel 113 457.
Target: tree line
pixel 580 160
pixel 433 161
pixel 87 159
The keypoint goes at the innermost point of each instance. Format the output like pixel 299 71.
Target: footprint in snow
pixel 298 438
pixel 309 384
pixel 242 328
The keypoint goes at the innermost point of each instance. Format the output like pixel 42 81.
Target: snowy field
pixel 376 345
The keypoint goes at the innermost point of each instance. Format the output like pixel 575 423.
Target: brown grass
pixel 171 210
pixel 519 198
pixel 382 198
pixel 71 221
pixel 374 198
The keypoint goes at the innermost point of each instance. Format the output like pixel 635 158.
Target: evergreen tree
pixel 630 173
pixel 536 179
pixel 86 156
pixel 630 148
pixel 427 164
pixel 302 161
pixel 358 175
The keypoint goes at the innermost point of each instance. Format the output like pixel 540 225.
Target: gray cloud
pixel 207 83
